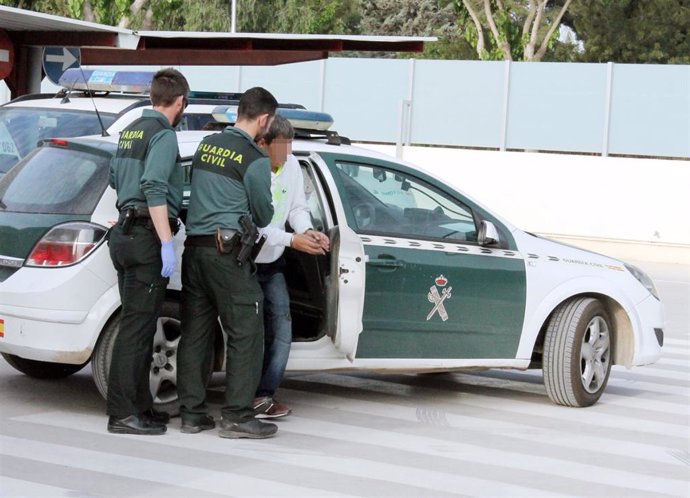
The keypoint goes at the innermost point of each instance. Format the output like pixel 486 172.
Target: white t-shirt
pixel 289 204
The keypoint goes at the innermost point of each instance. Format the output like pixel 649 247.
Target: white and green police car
pixel 421 278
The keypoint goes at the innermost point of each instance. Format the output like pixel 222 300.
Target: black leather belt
pixel 200 241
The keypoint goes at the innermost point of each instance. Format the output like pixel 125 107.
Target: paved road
pixel 493 433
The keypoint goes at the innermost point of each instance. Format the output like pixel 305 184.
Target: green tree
pixel 417 18
pixel 511 29
pixel 134 14
pixel 298 16
pixel 633 31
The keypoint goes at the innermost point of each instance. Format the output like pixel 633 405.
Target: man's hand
pixel 309 243
pixel 168 257
pixel 321 238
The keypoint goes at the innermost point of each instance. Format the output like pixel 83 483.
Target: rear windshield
pixel 55 181
pixel 22 127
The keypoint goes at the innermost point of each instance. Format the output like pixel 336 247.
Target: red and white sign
pixel 6 55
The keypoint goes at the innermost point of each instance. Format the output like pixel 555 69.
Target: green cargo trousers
pixel 214 286
pixel 137 259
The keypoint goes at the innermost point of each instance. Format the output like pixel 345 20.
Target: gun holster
pixel 127 217
pixel 226 240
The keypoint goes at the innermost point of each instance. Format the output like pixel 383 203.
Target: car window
pixel 199 122
pixel 22 127
pixel 55 180
pixel 388 202
pixel 318 216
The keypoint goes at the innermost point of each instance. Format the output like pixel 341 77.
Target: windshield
pixel 22 127
pixel 55 181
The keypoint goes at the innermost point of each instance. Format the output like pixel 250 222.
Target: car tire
pixel 42 369
pixel 577 352
pixel 163 377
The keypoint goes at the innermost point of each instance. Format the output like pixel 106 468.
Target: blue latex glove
pixel 168 257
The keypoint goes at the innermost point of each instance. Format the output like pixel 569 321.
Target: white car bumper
pixel 57 314
pixel 647 347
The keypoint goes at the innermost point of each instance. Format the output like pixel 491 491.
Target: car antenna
pixel 104 133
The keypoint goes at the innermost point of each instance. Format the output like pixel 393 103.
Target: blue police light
pixel 107 81
pixel 300 118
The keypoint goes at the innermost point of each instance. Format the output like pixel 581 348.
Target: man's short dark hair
pixel 167 85
pixel 255 102
pixel 280 128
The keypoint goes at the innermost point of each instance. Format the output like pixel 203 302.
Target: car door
pixel 346 277
pixel 431 290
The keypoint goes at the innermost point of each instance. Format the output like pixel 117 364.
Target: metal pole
pixel 410 94
pixel 506 104
pixel 322 86
pixel 403 125
pixel 607 109
pixel 233 16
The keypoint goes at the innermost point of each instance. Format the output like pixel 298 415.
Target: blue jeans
pixel 277 326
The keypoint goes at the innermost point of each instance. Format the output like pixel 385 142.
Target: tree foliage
pixel 633 31
pixel 298 16
pixel 133 14
pixel 418 18
pixel 511 29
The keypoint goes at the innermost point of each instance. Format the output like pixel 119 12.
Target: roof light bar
pixel 300 118
pixel 107 81
pixel 194 94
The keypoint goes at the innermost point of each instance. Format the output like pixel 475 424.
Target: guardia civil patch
pixel 438 298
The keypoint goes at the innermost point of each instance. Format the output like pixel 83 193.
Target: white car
pixel 109 102
pixel 421 278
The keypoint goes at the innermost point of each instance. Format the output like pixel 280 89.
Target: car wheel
pixel 42 369
pixel 577 352
pixel 163 377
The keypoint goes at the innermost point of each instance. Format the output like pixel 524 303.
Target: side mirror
pixel 488 235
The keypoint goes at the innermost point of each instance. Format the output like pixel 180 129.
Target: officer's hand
pixel 168 257
pixel 305 243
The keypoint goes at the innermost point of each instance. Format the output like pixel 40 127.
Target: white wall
pixel 629 208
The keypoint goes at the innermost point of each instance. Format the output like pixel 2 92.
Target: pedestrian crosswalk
pixel 493 433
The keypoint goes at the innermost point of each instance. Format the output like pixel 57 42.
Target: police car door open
pixel 345 295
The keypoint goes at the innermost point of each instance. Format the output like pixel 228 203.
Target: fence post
pixel 403 125
pixel 405 114
pixel 239 79
pixel 607 109
pixel 506 103
pixel 322 86
pixel 410 95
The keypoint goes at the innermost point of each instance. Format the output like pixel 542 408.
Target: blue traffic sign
pixel 57 60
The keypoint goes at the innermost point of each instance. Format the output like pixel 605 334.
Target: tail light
pixel 66 244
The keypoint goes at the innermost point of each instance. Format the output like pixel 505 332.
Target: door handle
pixel 387 263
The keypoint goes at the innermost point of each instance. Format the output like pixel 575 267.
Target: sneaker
pixel 252 429
pixel 267 407
pixel 196 425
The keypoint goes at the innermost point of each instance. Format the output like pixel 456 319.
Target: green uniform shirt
pixel 146 170
pixel 231 176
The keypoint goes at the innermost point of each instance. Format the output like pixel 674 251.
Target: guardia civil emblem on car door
pixel 438 298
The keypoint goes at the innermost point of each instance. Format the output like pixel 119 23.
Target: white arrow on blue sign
pixel 57 60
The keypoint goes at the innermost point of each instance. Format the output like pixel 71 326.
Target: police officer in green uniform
pixel 231 180
pixel 147 175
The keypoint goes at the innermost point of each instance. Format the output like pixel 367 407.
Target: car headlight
pixel 644 279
